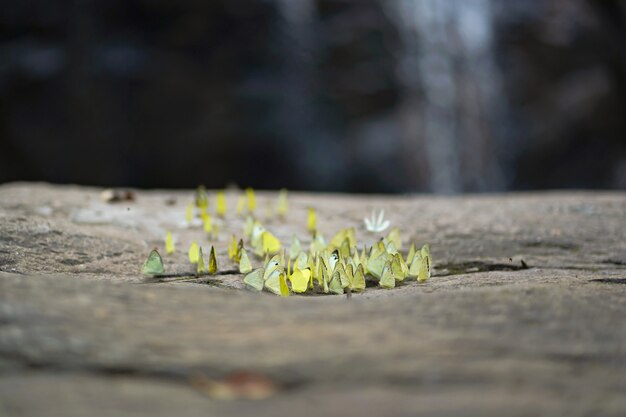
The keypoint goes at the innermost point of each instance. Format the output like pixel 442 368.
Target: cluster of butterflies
pixel 336 267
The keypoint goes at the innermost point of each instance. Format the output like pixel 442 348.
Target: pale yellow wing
pixel 169 243
pixel 193 252
pixel 201 266
pixel 300 280
pixel 244 262
pixel 255 279
pixel 358 282
pixel 387 279
pixel 220 204
pixel 334 285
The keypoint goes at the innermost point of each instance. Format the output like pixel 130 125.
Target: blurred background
pixel 358 96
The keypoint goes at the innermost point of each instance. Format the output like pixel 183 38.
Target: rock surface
pixel 524 315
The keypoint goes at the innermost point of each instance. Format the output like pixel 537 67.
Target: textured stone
pixel 81 331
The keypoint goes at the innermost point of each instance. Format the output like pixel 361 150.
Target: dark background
pixel 365 96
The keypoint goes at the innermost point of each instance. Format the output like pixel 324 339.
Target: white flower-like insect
pixel 376 224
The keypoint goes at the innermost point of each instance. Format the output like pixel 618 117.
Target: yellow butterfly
pixel 269 243
pixel 220 201
pixel 244 262
pixel 344 249
pixel 394 237
pixel 270 265
pixel 202 197
pixel 169 243
pixel 311 220
pixel 387 280
pixel 193 252
pixel 190 213
pixel 411 254
pixel 212 262
pixel 324 276
pixel 295 248
pixel 343 276
pixel 376 265
pixel 300 279
pixel 255 279
pixel 208 224
pixel 425 268
pixel 342 235
pixel 251 199
pixel 276 282
pixel 201 267
pixel 334 285
pixel 302 260
pixel 255 234
pixel 153 266
pixel 421 264
pixel 358 282
pixel 363 258
pixel 318 244
pixel 248 227
pixel 232 248
pixel 415 265
pixel 398 267
pixel 282 206
pixel 238 249
pixel 241 202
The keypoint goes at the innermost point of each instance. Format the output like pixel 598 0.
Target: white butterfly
pixel 376 224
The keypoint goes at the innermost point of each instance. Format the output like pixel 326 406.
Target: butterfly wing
pixel 334 285
pixel 193 252
pixel 255 279
pixel 387 279
pixel 244 262
pixel 358 282
pixel 212 262
pixel 153 266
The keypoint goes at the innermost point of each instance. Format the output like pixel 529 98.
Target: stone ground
pixel 83 333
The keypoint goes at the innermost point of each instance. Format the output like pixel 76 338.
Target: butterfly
pixel 190 213
pixel 193 252
pixel 169 243
pixel 282 206
pixel 153 266
pixel 212 269
pixel 267 243
pixel 341 236
pixel 318 244
pixel 202 197
pixel 387 280
pixel 295 248
pixel 244 262
pixel 398 267
pixel 358 281
pixel 207 224
pixel 241 203
pixel 394 237
pixel 201 267
pixel 376 224
pixel 220 204
pixel 251 199
pixel 311 221
pixel 334 285
pixel 300 279
pixel 376 264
